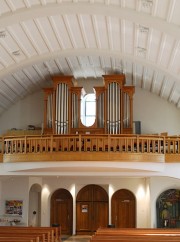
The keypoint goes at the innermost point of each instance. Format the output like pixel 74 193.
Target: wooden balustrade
pixel 84 143
pixel 98 144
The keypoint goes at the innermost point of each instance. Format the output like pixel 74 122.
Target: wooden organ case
pixel 114 107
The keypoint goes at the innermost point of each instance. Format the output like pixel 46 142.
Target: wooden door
pixel 61 210
pixel 123 209
pixel 100 214
pixel 84 213
pixel 92 209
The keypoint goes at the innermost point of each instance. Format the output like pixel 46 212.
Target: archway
pixel 168 209
pixel 92 209
pixel 34 218
pixel 62 210
pixel 123 209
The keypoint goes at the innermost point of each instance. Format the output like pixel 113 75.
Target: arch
pixel 34 217
pixel 61 212
pixel 92 209
pixel 88 109
pixel 96 8
pixel 168 209
pixel 123 209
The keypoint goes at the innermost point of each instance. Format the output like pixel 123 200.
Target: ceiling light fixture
pixel 16 52
pixel 147 3
pixel 2 34
pixel 143 29
pixel 141 50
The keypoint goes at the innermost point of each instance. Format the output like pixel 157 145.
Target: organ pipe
pixel 100 111
pixel 113 108
pixel 49 111
pixel 61 120
pixel 57 112
pixel 114 104
pixel 74 111
pixel 108 111
pixel 126 111
pixel 119 104
pixel 48 97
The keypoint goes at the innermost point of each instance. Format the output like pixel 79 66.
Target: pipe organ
pixel 114 107
pixel 48 104
pixel 119 105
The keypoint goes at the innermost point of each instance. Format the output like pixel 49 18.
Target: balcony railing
pixel 119 144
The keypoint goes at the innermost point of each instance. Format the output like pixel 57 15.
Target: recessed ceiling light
pixel 16 52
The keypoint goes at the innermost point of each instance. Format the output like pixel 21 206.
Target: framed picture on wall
pixel 13 207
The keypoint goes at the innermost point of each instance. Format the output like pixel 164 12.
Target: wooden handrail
pixel 123 147
pixel 90 143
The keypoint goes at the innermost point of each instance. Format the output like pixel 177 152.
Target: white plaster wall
pixel 35 180
pixel 156 114
pixel 28 111
pixel 1 201
pixel 33 206
pixel 35 201
pixel 16 188
pixel 148 202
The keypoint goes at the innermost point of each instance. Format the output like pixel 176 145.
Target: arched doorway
pixel 123 209
pixel 92 209
pixel 34 218
pixel 62 210
pixel 168 209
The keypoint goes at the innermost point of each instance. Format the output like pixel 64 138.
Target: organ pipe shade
pixel 61 121
pixel 49 110
pixel 113 108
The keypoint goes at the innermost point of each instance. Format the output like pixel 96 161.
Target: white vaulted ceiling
pixel 88 39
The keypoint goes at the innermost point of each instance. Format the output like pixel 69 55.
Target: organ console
pixel 114 107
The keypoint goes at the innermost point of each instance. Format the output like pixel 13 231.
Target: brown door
pixel 100 218
pixel 84 213
pixel 123 209
pixel 61 210
pixel 92 209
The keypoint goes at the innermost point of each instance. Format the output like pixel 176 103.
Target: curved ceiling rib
pixel 40 39
pixel 91 9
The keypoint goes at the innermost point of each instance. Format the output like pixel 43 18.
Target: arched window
pixel 168 209
pixel 88 109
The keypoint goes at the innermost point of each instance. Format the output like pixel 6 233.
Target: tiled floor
pixel 77 238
